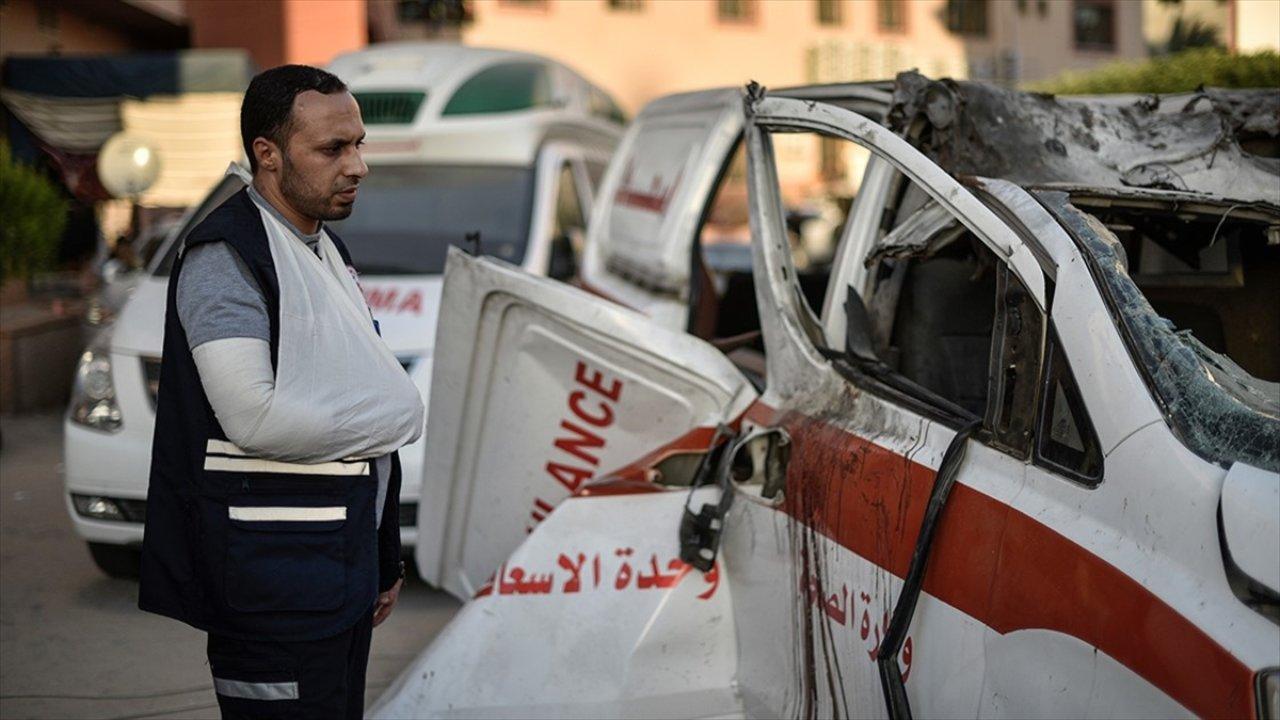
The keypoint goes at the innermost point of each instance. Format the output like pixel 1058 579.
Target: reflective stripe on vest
pixel 256 690
pixel 287 514
pixel 224 456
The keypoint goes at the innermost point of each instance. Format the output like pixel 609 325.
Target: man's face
pixel 321 164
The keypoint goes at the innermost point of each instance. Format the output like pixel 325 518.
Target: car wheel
pixel 117 561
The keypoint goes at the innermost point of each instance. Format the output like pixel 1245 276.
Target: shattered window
pixel 1211 272
pixel 1192 285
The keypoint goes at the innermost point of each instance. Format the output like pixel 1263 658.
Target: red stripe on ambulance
pixel 1000 566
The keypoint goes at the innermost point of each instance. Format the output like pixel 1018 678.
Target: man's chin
pixel 339 211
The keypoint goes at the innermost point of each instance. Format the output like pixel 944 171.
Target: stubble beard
pixel 307 200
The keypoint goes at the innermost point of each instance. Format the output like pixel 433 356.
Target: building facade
pixel 642 49
pixel 1244 26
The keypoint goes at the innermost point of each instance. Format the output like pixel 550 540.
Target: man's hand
pixel 386 602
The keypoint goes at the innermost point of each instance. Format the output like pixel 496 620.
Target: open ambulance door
pixel 538 387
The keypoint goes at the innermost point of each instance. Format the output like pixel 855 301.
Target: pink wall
pixel 22 32
pixel 315 32
pixel 276 32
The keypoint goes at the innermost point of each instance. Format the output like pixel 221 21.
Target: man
pixel 272 512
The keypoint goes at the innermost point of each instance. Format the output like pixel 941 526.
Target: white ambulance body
pixel 976 475
pixel 498 146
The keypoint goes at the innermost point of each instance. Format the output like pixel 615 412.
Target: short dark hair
pixel 268 103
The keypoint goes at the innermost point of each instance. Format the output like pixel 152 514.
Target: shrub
pixel 32 216
pixel 1182 72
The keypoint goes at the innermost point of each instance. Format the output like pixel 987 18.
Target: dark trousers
pixel 309 679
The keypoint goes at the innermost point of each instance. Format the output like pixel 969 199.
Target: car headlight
pixel 93 397
pixel 1269 694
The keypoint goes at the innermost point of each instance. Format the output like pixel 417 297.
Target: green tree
pixel 32 216
pixel 1190 34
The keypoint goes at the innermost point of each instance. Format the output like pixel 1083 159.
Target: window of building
pixel 967 17
pixel 891 15
pixel 531 4
pixel 433 12
pixel 829 12
pixel 736 11
pixel 1095 24
pixel 626 5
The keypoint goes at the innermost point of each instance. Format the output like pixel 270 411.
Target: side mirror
pixel 761 458
pixel 563 264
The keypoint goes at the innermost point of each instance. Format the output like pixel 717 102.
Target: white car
pixel 492 150
pixel 973 472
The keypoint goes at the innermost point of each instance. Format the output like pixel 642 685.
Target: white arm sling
pixel 338 391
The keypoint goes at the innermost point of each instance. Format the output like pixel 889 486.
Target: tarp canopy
pixel 185 103
pixel 139 75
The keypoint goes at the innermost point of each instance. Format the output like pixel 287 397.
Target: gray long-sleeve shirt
pixel 218 299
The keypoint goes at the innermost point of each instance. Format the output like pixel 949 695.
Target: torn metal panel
pixel 1033 139
pixel 924 233
pixel 1218 410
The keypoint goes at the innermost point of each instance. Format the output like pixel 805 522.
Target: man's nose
pixel 356 166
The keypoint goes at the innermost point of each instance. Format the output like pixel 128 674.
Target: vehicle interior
pixel 1211 271
pixel 819 177
pixel 934 289
pixel 932 302
pixel 930 315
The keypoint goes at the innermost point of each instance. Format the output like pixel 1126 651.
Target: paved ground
pixel 73 643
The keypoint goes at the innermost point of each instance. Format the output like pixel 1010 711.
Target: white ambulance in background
pixel 471 147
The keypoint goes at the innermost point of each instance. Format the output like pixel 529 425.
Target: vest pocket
pixel 285 556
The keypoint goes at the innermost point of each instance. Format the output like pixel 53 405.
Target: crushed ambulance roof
pixel 1190 142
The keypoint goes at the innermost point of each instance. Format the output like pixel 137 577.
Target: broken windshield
pixel 1194 295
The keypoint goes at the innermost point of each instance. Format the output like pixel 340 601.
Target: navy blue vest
pixel 209 558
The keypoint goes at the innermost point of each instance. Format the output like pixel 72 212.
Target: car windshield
pixel 407 216
pixel 1192 285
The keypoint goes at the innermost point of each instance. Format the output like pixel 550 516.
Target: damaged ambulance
pixel 1011 450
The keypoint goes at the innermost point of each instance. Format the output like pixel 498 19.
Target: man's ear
pixel 267 154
